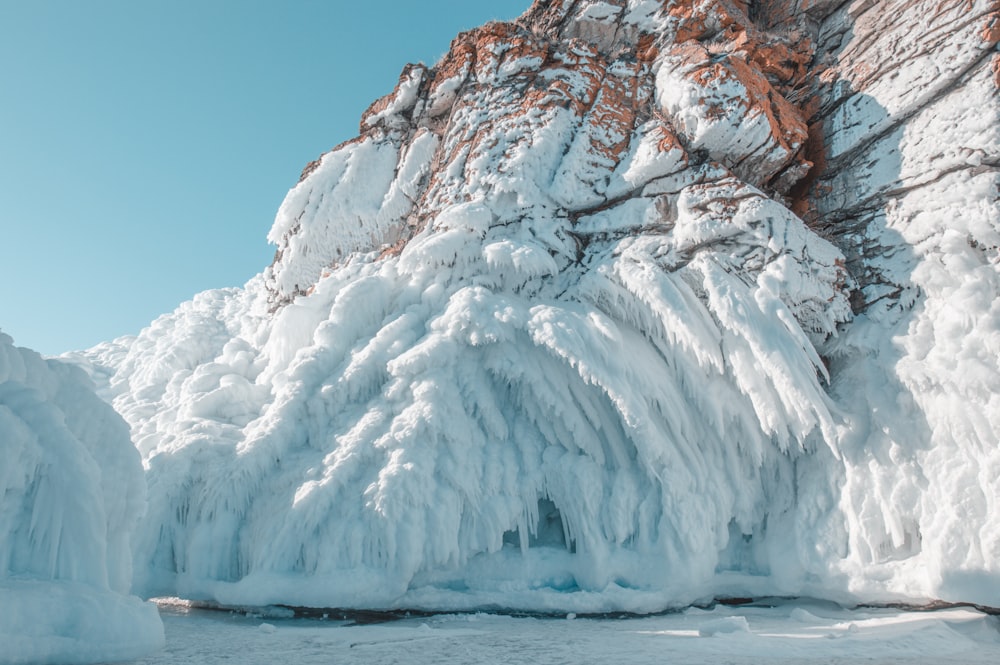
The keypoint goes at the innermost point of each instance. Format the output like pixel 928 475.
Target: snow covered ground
pixel 785 633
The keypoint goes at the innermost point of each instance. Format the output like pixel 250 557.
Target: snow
pixel 349 203
pixel 403 99
pixel 600 11
pixel 716 107
pixel 645 161
pixel 64 622
pixel 73 493
pixel 792 633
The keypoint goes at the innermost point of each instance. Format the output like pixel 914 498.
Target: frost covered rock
pixel 911 191
pixel 71 494
pixel 552 333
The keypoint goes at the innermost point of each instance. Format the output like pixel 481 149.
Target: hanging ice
pixel 547 336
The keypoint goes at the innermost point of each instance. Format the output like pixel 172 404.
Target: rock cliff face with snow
pixel 71 494
pixel 624 304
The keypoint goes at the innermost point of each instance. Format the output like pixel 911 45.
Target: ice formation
pixel 624 304
pixel 72 492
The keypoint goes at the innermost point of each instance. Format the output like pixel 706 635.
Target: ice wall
pixel 71 494
pixel 551 333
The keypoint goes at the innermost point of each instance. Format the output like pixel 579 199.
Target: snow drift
pixel 549 335
pixel 72 492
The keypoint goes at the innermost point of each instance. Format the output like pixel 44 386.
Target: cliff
pixel 621 305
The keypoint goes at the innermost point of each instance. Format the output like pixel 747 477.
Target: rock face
pixel 620 305
pixel 909 112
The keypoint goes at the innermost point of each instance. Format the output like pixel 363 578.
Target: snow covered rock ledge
pixel 552 332
pixel 71 493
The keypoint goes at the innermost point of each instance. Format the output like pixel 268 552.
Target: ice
pixel 352 186
pixel 724 626
pixel 920 375
pixel 543 357
pixel 73 493
pixel 402 100
pixel 830 635
pixel 391 438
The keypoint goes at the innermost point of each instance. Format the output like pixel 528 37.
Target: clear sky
pixel 145 145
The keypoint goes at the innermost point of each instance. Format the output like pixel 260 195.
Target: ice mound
pixel 72 493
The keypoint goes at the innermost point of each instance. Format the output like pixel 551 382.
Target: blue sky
pixel 145 145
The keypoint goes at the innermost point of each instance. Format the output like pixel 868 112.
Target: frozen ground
pixel 800 633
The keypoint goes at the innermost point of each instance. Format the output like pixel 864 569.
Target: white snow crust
pixel 71 494
pixel 566 382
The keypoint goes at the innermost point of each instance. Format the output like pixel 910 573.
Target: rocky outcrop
pixel 729 96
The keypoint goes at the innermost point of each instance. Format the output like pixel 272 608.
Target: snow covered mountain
pixel 624 304
pixel 71 494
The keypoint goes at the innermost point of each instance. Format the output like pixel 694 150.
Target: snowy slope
pixel 548 333
pixel 72 492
